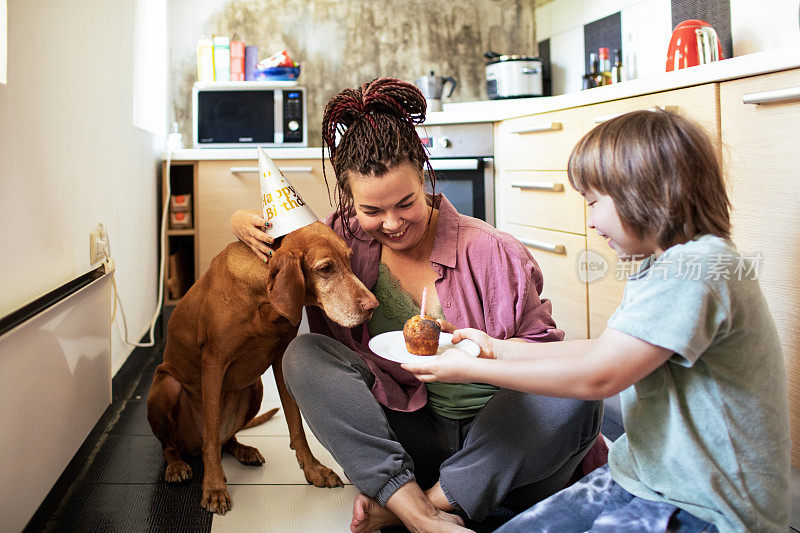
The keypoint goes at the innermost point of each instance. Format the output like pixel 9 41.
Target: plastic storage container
pixel 277 73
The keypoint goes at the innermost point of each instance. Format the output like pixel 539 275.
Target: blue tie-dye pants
pixel 596 503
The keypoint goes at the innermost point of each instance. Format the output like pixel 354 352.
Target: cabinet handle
pixel 537 186
pixel 604 118
pixel 244 170
pixel 537 128
pixel 541 245
pixel 778 95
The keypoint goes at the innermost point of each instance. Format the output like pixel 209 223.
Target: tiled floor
pixel 120 486
pixel 275 496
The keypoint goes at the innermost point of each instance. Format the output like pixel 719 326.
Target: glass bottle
pixel 595 73
pixel 616 70
pixel 605 67
pixel 589 79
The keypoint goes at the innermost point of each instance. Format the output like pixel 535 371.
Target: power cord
pixel 117 299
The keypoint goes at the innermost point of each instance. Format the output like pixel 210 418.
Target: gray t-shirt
pixel 708 431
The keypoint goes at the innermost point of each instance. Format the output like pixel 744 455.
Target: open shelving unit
pixel 181 244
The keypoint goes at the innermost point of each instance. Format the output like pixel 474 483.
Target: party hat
pixel 282 206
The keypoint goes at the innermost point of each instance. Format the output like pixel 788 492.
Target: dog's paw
pixel 178 472
pixel 216 501
pixel 320 475
pixel 248 455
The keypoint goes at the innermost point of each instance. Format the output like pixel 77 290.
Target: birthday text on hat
pixel 273 206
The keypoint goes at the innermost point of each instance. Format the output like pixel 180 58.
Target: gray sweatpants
pixel 518 450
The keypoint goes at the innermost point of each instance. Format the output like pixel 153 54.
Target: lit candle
pixel 422 307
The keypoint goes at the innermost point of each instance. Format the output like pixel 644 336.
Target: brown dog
pixel 233 323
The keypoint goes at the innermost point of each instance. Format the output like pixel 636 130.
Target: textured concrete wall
pixel 342 43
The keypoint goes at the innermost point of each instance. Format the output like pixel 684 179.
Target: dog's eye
pixel 325 267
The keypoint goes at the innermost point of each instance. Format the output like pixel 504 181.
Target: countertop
pixel 737 67
pixel 221 154
pixel 495 110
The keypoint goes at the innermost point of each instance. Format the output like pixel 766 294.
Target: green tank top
pixel 451 400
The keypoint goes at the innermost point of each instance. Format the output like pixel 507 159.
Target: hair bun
pixel 390 97
pixel 348 106
pixel 394 97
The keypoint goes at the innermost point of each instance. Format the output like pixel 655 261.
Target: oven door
pixel 469 185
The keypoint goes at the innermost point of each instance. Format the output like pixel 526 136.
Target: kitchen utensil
pixel 432 88
pixel 694 42
pixel 509 76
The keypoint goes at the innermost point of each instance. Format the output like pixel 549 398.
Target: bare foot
pixel 368 515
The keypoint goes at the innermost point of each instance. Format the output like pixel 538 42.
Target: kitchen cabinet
pixel 179 244
pixel 542 199
pixel 534 196
pixel 753 120
pixel 698 103
pixel 226 186
pixel 218 188
pixel 538 142
pixel 536 204
pixel 557 254
pixel 759 118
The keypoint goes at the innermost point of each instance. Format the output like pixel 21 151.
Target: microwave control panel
pixel 293 116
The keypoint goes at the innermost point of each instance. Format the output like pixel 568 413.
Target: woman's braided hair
pixel 369 130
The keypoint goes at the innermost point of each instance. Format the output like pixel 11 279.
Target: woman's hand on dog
pixel 248 227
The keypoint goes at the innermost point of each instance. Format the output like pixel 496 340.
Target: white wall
pixel 764 25
pixel 646 29
pixel 70 155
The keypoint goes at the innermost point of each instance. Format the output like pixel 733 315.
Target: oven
pixel 462 155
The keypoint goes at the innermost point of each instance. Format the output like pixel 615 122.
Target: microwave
pixel 249 113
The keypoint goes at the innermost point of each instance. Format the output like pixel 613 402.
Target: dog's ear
pixel 286 285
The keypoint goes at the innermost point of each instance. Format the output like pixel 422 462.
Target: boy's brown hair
pixel 661 170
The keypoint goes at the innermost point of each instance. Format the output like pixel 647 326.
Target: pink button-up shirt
pixel 486 280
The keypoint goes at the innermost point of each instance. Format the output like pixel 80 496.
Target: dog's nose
pixel 369 303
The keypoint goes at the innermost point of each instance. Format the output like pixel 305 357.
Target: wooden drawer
pixel 605 292
pixel 700 103
pixel 226 186
pixel 543 199
pixel 562 285
pixel 538 142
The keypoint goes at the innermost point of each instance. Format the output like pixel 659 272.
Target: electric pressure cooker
pixel 510 76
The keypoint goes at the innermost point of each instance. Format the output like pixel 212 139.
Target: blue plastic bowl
pixel 277 73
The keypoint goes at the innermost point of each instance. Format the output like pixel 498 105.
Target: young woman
pixel 692 347
pixel 469 446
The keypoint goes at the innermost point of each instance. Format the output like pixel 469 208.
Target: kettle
pixel 694 42
pixel 432 88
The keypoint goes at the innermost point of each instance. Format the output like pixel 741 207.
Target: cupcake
pixel 421 334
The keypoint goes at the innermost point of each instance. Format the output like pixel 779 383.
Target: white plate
pixel 392 346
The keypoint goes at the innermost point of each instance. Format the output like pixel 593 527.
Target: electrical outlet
pixel 98 244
